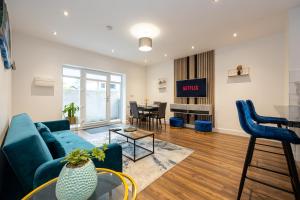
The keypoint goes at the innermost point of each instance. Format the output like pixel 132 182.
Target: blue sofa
pixel 34 163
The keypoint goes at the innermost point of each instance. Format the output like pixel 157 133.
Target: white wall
pixel 265 85
pixel 5 99
pixel 163 70
pixel 294 66
pixel 34 56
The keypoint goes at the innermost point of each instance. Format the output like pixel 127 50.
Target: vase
pixel 76 183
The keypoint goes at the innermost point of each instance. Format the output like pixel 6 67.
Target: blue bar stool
pixel 285 136
pixel 264 119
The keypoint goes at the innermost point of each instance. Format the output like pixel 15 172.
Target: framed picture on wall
pixel 5 36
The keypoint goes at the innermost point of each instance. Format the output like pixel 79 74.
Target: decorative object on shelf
pixel 44 81
pixel 238 71
pixel 162 83
pixel 78 178
pixel 5 37
pixel 130 129
pixel 71 110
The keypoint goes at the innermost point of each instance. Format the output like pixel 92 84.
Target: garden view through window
pixel 97 93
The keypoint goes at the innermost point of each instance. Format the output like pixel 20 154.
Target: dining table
pixel 148 110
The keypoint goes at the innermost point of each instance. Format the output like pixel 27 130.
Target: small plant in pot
pixel 71 109
pixel 78 178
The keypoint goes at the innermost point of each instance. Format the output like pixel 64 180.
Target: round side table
pixel 111 185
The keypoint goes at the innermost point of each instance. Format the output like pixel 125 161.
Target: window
pixel 97 93
pixel 71 86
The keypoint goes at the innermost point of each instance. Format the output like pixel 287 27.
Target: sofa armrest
pixel 58 125
pixel 113 158
pixel 47 171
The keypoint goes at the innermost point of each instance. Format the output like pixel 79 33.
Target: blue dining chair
pixel 284 135
pixel 264 119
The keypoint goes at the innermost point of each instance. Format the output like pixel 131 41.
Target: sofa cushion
pixel 54 146
pixel 45 132
pixel 25 149
pixel 70 141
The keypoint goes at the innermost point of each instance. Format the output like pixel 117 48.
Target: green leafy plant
pixel 70 109
pixel 79 157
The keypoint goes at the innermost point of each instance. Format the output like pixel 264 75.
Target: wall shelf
pixel 234 72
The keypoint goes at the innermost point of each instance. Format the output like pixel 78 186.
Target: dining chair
pixel 284 135
pixel 135 113
pixel 156 103
pixel 160 114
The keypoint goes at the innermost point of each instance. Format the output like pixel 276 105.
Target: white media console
pixel 192 109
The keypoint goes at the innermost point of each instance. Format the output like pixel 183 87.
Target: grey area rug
pixel 150 168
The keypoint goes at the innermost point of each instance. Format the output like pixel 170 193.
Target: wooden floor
pixel 213 171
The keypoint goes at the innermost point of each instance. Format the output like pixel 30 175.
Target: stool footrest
pixel 270 170
pixel 269 152
pixel 270 185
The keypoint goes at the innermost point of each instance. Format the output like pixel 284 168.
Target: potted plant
pixel 70 110
pixel 78 178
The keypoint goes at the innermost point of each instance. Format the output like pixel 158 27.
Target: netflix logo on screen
pixel 191 88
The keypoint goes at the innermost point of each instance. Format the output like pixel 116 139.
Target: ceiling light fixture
pixel 235 35
pixel 145 32
pixel 215 1
pixel 166 55
pixel 113 51
pixel 66 13
pixel 193 47
pixel 145 44
pixel 54 33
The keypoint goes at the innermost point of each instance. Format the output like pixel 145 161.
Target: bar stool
pixel 264 119
pixel 285 136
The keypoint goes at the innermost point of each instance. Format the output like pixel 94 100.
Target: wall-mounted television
pixel 5 37
pixel 191 88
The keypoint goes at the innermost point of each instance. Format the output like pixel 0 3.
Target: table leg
pixel 153 142
pixel 134 150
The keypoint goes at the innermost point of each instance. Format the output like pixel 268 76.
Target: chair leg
pixel 165 123
pixel 160 123
pixel 292 168
pixel 247 162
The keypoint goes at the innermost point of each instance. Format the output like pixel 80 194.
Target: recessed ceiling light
pixel 113 51
pixel 144 30
pixel 54 33
pixel 166 55
pixel 193 47
pixel 66 13
pixel 235 35
pixel 215 1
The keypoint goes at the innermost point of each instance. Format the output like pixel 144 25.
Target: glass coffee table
pixel 111 185
pixel 132 139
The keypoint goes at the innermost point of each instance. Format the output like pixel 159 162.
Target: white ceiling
pixel 183 23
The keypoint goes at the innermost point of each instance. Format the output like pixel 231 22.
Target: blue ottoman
pixel 176 122
pixel 203 126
